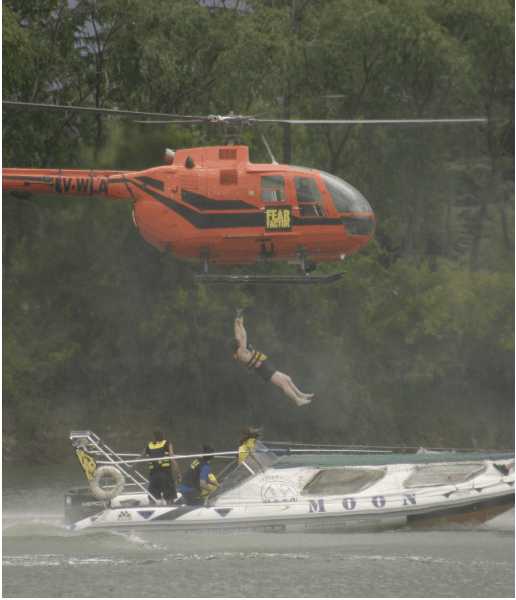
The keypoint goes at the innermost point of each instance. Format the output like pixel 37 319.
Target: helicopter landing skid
pixel 268 279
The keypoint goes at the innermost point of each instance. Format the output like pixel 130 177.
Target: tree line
pixel 414 346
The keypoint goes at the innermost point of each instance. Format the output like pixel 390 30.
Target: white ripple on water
pixel 135 539
pixel 239 555
pixel 417 558
pixel 41 527
pixel 31 560
pixel 58 560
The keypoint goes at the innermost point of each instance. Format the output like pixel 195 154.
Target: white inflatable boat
pixel 318 489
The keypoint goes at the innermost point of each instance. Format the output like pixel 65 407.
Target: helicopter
pixel 213 206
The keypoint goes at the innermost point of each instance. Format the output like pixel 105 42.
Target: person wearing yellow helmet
pixel 247 442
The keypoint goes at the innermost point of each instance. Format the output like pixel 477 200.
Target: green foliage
pixel 415 345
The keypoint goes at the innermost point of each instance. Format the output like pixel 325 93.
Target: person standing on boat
pixel 161 479
pixel 247 442
pixel 199 481
pixel 260 364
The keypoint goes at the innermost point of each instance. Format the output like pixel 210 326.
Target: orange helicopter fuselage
pixel 212 204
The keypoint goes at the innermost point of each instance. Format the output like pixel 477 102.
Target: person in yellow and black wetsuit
pixel 199 480
pixel 161 479
pixel 260 364
pixel 247 442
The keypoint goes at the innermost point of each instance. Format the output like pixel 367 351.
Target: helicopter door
pixel 278 212
pixel 308 197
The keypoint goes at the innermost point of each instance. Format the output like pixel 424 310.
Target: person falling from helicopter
pixel 260 364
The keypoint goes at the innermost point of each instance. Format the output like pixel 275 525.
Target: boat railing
pixel 90 442
pixel 290 447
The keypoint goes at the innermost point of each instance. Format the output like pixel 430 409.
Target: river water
pixel 42 559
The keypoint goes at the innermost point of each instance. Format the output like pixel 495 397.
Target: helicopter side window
pixel 308 197
pixel 273 188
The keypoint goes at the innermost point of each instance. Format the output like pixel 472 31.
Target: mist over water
pixel 42 559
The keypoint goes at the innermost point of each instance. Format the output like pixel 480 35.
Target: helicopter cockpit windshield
pixel 258 461
pixel 345 197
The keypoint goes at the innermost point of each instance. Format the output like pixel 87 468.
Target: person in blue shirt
pixel 199 480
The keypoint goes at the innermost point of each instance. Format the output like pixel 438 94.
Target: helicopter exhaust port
pixel 168 157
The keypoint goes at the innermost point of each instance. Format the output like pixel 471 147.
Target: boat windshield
pixel 258 461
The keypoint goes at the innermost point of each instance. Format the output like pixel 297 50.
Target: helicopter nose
pixel 345 197
pixel 359 224
pixel 356 213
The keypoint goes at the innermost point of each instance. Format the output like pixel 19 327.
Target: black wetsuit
pixel 191 484
pixel 161 481
pixel 266 370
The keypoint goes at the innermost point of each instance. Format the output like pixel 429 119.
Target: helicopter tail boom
pixel 69 182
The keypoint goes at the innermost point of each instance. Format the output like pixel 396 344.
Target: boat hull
pixel 478 512
pixel 301 517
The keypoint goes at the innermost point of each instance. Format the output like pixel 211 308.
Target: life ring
pixel 107 493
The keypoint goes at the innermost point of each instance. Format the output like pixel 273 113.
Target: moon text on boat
pixel 349 503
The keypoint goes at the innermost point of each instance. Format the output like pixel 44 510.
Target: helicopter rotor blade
pixel 181 121
pixel 230 119
pixel 373 121
pixel 94 110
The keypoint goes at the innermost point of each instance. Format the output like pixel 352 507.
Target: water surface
pixel 42 559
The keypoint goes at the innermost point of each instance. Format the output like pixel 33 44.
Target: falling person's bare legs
pixel 296 389
pixel 286 384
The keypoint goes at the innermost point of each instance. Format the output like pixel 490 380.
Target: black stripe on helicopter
pixel 229 220
pixel 198 201
pixel 150 181
pixel 204 203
